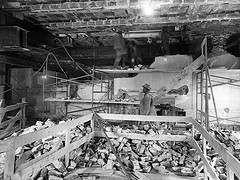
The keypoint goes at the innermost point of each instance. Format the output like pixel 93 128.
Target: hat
pixel 147 86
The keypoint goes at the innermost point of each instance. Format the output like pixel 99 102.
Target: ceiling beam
pixel 36 36
pixel 19 62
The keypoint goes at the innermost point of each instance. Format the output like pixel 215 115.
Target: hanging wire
pixel 58 63
pixel 45 61
pixel 71 57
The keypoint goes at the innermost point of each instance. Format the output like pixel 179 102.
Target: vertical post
pixel 43 80
pixel 205 154
pixel 194 101
pixel 10 162
pixel 214 103
pixel 206 89
pixel 201 92
pixel 67 142
pixel 67 96
pixel 23 113
pixel 230 174
pixel 93 74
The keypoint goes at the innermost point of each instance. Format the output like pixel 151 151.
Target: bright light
pixel 44 77
pixel 148 10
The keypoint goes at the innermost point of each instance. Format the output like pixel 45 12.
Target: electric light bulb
pixel 148 10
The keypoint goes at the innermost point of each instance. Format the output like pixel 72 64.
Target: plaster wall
pixel 226 96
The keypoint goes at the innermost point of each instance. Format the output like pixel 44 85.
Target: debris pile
pixel 141 155
pixel 228 139
pixel 51 143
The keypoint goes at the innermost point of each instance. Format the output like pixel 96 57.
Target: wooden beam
pixel 179 77
pixel 34 136
pixel 10 162
pixel 12 120
pixel 19 62
pixel 10 108
pixel 124 117
pixel 210 170
pixel 145 137
pixel 233 162
pixel 31 168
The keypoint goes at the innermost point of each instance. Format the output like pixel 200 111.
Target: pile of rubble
pixel 147 156
pixel 231 141
pixel 51 143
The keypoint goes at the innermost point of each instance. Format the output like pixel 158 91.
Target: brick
pixel 122 2
pixel 35 7
pixel 45 7
pixel 101 3
pixel 133 1
pixel 111 3
pixel 54 6
pixel 189 1
pixel 64 6
pixel 83 5
pixel 74 5
pixel 200 1
pixel 177 1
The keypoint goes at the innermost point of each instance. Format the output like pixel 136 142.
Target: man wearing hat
pixel 146 103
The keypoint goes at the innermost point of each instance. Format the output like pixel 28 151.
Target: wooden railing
pixel 29 169
pixel 9 124
pixel 232 163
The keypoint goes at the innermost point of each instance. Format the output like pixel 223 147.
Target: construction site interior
pixel 70 111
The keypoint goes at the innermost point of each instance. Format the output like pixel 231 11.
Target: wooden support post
pixel 213 98
pixel 10 162
pixel 23 113
pixel 99 119
pixel 201 98
pixel 67 142
pixel 205 155
pixel 230 174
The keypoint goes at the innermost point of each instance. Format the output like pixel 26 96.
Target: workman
pixel 146 103
pixel 120 47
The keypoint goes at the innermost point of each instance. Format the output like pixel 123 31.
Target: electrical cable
pixel 71 57
pixel 58 63
pixel 46 59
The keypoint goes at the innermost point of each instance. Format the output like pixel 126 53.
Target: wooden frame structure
pixel 29 169
pixel 11 124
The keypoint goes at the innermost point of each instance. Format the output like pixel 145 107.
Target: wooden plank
pixel 10 161
pixel 90 101
pixel 5 145
pixel 141 176
pixel 13 120
pixel 210 170
pixel 32 167
pixel 223 152
pixel 67 142
pixel 23 113
pixel 179 77
pixel 34 136
pixel 10 130
pixel 230 174
pixel 117 71
pixel 145 137
pixel 90 170
pixel 126 117
pixel 10 108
